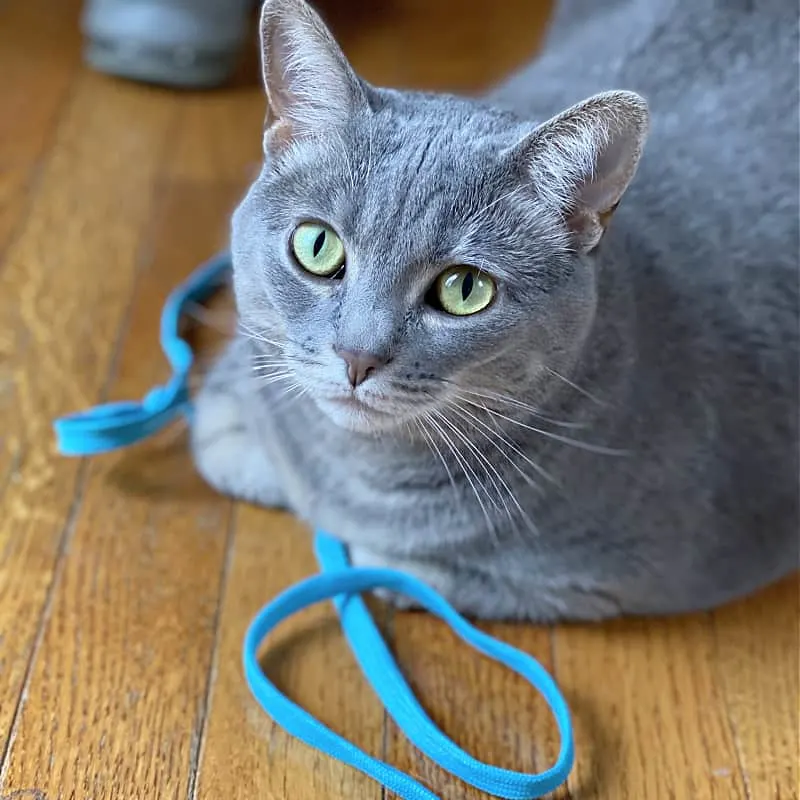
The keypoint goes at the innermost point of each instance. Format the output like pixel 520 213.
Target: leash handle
pixel 116 425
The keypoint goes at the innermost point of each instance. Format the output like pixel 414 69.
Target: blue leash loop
pixel 116 425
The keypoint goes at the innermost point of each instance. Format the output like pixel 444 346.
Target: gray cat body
pixel 617 432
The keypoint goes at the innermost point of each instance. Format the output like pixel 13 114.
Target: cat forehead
pixel 406 135
pixel 403 121
pixel 425 195
pixel 410 163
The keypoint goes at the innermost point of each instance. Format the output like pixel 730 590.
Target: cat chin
pixel 357 417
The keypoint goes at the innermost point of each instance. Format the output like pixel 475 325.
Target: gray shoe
pixel 181 43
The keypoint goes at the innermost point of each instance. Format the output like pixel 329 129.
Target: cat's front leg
pixel 227 451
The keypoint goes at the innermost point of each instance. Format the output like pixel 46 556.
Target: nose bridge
pixel 368 321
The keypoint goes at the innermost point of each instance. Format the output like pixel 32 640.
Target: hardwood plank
pixel 437 44
pixel 220 138
pixel 133 615
pixel 64 285
pixel 488 710
pixel 307 658
pixel 650 716
pixel 758 645
pixel 39 58
pixel 221 135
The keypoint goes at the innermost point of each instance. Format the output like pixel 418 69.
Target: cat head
pixel 401 251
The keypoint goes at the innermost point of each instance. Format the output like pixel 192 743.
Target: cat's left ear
pixel 581 162
pixel 310 85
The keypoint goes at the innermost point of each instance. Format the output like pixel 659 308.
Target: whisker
pixel 211 317
pixel 465 468
pixel 261 367
pixel 499 503
pixel 487 432
pixel 443 420
pixel 266 380
pixel 434 448
pixel 514 402
pixel 291 393
pixel 259 336
pixel 490 470
pixel 573 385
pixel 592 448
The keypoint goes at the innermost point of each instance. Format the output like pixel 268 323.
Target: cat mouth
pixel 346 401
pixel 352 403
pixel 350 412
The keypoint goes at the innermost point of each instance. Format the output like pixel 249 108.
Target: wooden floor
pixel 126 585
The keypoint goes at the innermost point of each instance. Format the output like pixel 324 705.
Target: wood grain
pixel 306 658
pixel 220 138
pixel 487 710
pixel 758 652
pixel 64 283
pixel 133 615
pixel 437 44
pixel 126 585
pixel 650 714
pixel 39 47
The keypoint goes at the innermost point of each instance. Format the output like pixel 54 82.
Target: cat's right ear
pixel 310 85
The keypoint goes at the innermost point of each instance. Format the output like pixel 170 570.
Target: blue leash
pixel 117 425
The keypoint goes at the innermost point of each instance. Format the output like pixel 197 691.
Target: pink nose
pixel 360 364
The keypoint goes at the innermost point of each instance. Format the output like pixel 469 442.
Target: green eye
pixel 464 290
pixel 318 249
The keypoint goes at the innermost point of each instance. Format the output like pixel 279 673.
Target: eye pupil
pixel 466 286
pixel 318 243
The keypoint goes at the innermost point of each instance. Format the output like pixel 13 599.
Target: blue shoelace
pixel 116 425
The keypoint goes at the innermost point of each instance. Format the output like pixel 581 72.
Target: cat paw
pixel 226 453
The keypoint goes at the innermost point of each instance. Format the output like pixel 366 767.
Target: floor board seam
pixel 389 619
pixel 551 638
pixel 64 539
pixel 6 479
pixel 201 728
pixel 734 732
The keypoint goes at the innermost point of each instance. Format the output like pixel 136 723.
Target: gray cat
pixel 452 359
